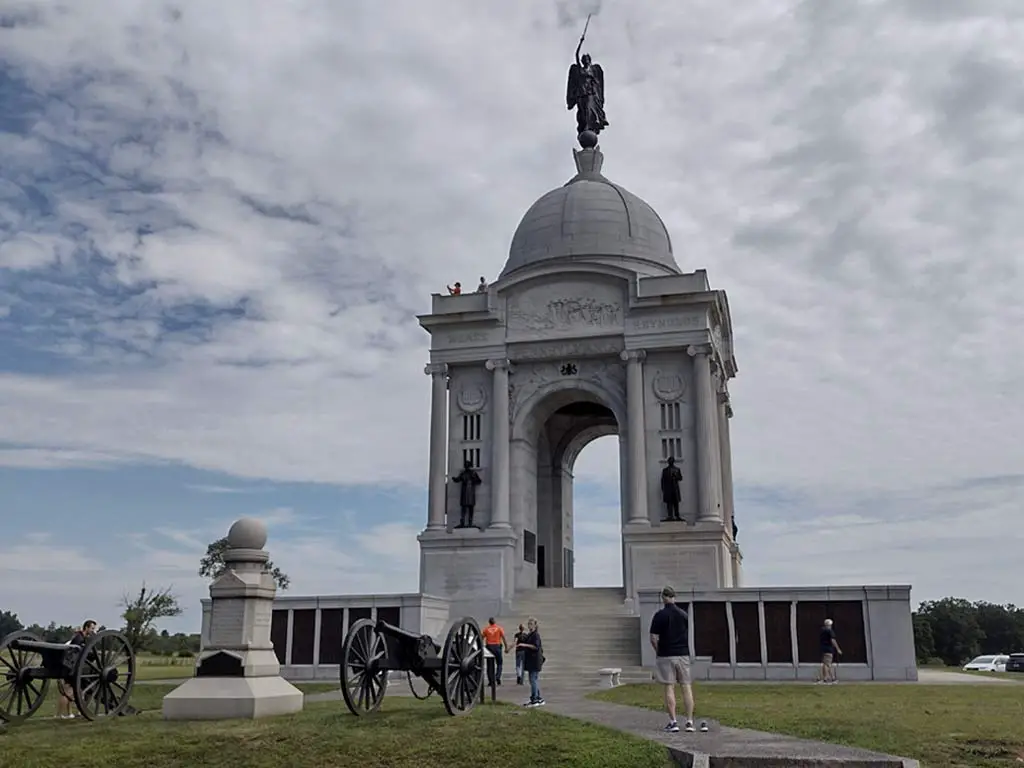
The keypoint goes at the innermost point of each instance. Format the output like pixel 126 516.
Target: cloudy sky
pixel 218 221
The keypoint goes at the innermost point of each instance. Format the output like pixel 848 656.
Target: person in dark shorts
pixel 829 650
pixel 670 637
pixel 533 660
pixel 65 695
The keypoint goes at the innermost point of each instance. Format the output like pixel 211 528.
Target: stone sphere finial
pixel 587 139
pixel 247 533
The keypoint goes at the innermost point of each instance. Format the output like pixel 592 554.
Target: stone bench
pixel 609 677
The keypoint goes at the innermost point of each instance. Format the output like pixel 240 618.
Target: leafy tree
pixel 212 565
pixel 924 640
pixel 142 611
pixel 1001 628
pixel 955 629
pixel 52 633
pixel 9 623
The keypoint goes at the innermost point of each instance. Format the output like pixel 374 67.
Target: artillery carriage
pixel 100 673
pixel 455 671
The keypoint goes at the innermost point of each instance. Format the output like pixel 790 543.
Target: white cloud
pixel 277 189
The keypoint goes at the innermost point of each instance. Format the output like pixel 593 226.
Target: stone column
pixel 500 486
pixel 707 415
pixel 438 480
pixel 635 434
pixel 725 447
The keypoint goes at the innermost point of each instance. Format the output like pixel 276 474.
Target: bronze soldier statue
pixel 469 479
pixel 670 479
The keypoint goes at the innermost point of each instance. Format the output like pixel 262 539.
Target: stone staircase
pixel 583 630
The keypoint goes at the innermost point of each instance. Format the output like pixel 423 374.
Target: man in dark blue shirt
pixel 829 649
pixel 670 637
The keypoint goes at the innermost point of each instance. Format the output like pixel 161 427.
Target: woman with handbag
pixel 533 660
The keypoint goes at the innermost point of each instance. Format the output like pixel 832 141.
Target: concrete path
pixel 947 677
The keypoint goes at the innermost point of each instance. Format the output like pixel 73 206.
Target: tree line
pixel 953 630
pixel 143 609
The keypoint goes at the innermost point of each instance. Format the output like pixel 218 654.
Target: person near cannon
pixel 518 638
pixel 66 696
pixel 533 660
pixel 496 642
pixel 469 479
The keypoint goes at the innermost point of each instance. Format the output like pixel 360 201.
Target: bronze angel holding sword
pixel 585 91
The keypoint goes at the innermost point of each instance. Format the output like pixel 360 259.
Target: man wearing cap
pixel 670 637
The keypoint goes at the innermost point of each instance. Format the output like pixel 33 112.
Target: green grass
pixel 405 734
pixel 146 697
pixel 940 725
pixel 149 667
pixel 1016 676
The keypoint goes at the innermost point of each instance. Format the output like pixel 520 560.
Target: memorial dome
pixel 590 218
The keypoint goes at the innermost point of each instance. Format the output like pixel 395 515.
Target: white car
pixel 987 664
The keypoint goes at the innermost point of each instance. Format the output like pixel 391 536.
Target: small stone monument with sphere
pixel 238 674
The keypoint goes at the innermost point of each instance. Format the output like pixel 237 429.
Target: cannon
pixel 372 650
pixel 101 674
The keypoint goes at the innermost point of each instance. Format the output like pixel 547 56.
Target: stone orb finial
pixel 247 533
pixel 587 139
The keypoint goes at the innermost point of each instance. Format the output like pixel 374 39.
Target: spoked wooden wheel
pixel 363 677
pixel 462 667
pixel 422 690
pixel 104 675
pixel 20 694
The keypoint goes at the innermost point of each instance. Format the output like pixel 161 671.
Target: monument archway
pixel 547 439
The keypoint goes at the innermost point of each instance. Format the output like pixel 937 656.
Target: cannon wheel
pixel 462 667
pixel 104 675
pixel 363 680
pixel 416 693
pixel 20 696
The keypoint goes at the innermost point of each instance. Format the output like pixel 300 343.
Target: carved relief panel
pixel 565 308
pixel 606 375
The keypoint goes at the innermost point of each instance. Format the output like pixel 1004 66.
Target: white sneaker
pixel 703 726
pixel 689 726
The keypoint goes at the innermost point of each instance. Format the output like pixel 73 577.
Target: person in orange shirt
pixel 497 644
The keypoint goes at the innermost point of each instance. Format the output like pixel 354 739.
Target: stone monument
pixel 591 329
pixel 238 674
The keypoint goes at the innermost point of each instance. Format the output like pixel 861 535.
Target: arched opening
pixel 597 501
pixel 547 442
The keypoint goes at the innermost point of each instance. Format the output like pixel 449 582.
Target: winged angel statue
pixel 585 91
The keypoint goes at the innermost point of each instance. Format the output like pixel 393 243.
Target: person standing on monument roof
pixel 670 638
pixel 482 288
pixel 455 290
pixel 497 644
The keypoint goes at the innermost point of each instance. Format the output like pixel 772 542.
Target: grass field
pixel 940 725
pixel 405 734
pixel 146 697
pixel 149 667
